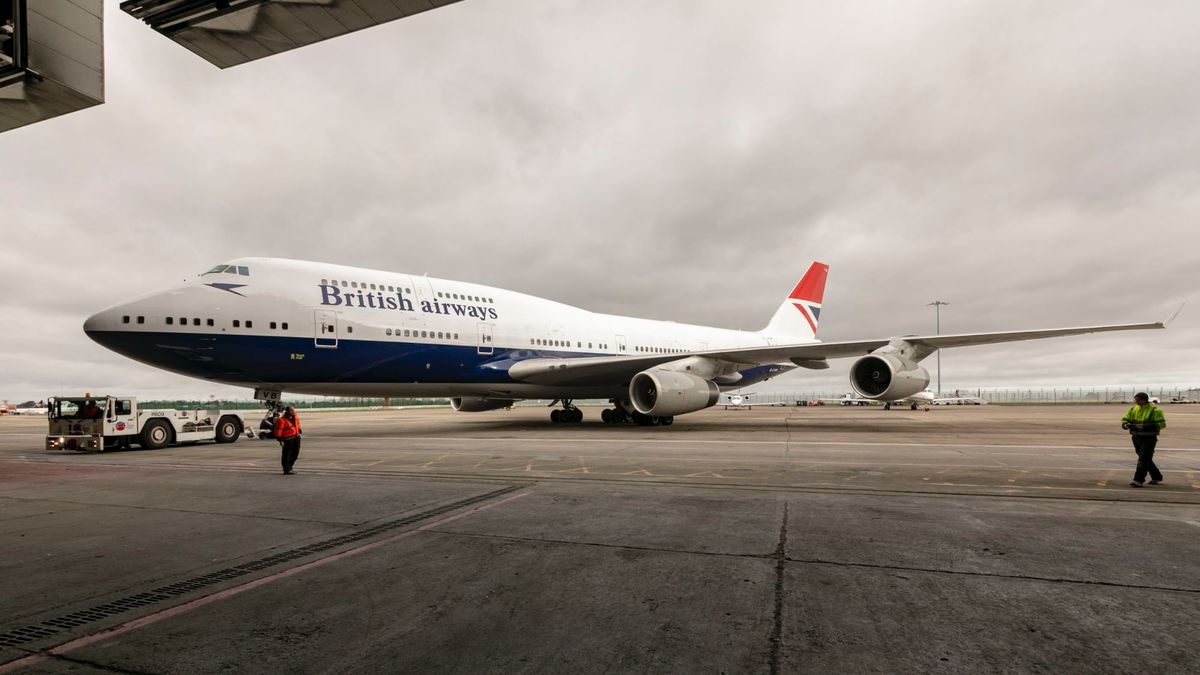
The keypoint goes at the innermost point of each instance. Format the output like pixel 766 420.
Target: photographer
pixel 1144 421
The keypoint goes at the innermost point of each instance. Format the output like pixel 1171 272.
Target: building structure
pixel 51 59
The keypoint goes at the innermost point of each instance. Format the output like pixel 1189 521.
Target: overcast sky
pixel 1034 164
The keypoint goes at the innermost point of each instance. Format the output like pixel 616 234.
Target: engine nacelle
pixel 887 378
pixel 663 392
pixel 479 403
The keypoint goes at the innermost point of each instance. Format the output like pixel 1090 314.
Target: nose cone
pixel 101 327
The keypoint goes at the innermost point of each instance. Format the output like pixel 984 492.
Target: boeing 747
pixel 280 325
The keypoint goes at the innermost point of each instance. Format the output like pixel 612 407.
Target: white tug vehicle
pixel 98 423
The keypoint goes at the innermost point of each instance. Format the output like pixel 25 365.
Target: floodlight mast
pixel 937 308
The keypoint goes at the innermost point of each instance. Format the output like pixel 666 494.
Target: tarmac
pixel 827 539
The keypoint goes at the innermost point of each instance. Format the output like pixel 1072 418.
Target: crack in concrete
pixel 99 666
pixel 992 575
pixel 780 559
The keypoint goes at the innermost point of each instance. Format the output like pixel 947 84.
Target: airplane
pixel 30 411
pixel 280 325
pixel 738 401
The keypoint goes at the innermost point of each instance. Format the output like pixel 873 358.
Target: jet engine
pixel 479 403
pixel 664 393
pixel 887 377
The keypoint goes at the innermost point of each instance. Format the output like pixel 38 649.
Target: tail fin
pixel 801 310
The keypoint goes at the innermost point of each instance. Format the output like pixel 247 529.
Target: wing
pixel 595 370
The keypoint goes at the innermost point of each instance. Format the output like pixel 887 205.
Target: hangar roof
pixel 230 32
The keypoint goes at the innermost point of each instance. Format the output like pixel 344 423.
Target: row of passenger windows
pixel 541 342
pixel 436 335
pixel 659 350
pixel 393 289
pixel 183 321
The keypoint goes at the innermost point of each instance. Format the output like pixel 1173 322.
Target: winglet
pixel 1174 314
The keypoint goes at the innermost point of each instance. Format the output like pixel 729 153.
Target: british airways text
pixel 334 296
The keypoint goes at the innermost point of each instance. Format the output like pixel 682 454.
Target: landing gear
pixel 266 428
pixel 914 406
pixel 622 413
pixel 887 406
pixel 568 415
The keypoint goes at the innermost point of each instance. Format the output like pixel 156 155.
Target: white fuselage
pixel 321 328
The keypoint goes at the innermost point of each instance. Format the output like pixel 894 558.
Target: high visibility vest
pixel 1143 414
pixel 285 428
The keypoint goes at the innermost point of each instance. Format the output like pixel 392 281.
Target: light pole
pixel 937 309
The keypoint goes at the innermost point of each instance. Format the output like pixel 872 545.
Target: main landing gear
pixel 568 415
pixel 619 415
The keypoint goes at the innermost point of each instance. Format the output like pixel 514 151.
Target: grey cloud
pixel 1032 164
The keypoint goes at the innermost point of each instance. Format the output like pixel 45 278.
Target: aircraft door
pixel 325 333
pixel 619 343
pixel 484 345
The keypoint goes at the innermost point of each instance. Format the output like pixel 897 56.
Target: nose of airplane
pixel 100 325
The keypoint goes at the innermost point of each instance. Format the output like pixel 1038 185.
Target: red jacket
pixel 286 428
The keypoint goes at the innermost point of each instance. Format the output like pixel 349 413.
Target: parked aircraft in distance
pixel 315 328
pixel 738 401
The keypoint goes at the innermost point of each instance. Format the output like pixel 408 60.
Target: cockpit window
pixel 229 269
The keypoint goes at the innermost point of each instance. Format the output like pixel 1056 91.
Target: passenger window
pixel 345 284
pixel 272 325
pixel 439 294
pixel 349 329
pixel 353 284
pixel 440 335
pixel 387 332
pixel 456 336
pixel 183 321
pixel 324 282
pixel 391 289
pixel 237 323
pixel 249 323
pixel 141 319
pixel 125 319
pixel 285 325
pixel 406 332
pixel 333 282
pixel 424 334
pixel 210 322
pixel 170 320
pixel 195 321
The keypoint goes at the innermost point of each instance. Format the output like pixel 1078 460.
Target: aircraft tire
pixel 606 416
pixel 667 420
pixel 575 415
pixel 555 417
pixel 914 406
pixel 157 434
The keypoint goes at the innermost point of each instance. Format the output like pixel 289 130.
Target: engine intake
pixel 664 393
pixel 479 403
pixel 887 378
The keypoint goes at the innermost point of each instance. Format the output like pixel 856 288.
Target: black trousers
pixel 289 452
pixel 1144 446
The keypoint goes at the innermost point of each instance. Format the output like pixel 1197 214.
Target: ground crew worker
pixel 89 410
pixel 287 432
pixel 1144 421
